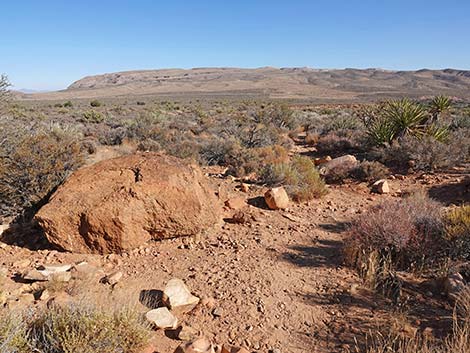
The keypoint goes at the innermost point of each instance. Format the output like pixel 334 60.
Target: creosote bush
pixel 33 163
pixel 299 177
pixel 457 225
pixel 73 328
pixel 370 171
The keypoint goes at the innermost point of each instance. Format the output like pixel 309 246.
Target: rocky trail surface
pixel 269 281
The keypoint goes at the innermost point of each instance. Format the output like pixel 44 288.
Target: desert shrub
pixel 425 153
pixel 457 223
pixel 95 103
pixel 13 335
pixel 74 328
pixel 33 163
pixel 68 104
pixel 402 234
pixel 370 171
pixel 93 117
pixel 342 122
pixel 217 151
pixel 332 144
pixel 312 138
pixel 299 177
pixel 393 339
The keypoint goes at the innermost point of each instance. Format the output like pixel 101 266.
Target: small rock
pixel 239 217
pixel 277 198
pixel 236 203
pixel 178 297
pixel 60 277
pixel 113 278
pixel 320 161
pixel 34 275
pixel 45 295
pixel 217 312
pixel 244 187
pixel 233 349
pixel 381 187
pixel 187 333
pixel 453 284
pixel 162 318
pixel 200 345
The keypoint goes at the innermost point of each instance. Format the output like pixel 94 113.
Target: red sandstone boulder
pixel 121 203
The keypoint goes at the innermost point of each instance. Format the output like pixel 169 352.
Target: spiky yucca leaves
pixel 407 116
pixel 439 105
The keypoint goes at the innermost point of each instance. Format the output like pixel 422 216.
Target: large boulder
pixel 121 203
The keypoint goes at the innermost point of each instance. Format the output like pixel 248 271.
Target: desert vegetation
pixel 317 153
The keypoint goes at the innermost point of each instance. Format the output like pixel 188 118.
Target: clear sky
pixel 48 44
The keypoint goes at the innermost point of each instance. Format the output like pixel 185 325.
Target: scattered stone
pixel 381 187
pixel 344 163
pixel 233 349
pixel 236 203
pixel 277 198
pixel 34 275
pixel 244 187
pixel 178 297
pixel 119 204
pixel 200 345
pixel 45 295
pixel 162 318
pixel 239 217
pixel 453 284
pixel 84 270
pixel 60 277
pixel 187 333
pixel 55 268
pixel 320 161
pixel 113 278
pixel 217 312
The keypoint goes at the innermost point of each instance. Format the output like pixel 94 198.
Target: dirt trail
pixel 277 281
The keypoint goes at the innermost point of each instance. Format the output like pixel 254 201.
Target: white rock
pixel 178 297
pixel 381 187
pixel 162 318
pixel 114 278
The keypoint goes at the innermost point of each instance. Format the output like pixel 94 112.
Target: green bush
pixel 33 163
pixel 68 104
pixel 92 117
pixel 95 103
pixel 299 177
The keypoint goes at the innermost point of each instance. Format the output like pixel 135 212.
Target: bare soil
pixel 277 281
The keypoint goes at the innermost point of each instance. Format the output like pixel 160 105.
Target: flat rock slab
pixel 178 297
pixel 162 318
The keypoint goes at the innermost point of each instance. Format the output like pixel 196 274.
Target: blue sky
pixel 49 44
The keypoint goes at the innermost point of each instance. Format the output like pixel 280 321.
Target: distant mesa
pixel 268 82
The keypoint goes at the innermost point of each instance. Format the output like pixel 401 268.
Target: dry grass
pixel 73 328
pixel 397 342
pixel 299 177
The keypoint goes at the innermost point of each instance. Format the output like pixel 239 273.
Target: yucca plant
pixel 407 116
pixel 382 131
pixel 439 105
pixel 439 133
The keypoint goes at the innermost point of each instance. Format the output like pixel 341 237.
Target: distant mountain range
pixel 268 82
